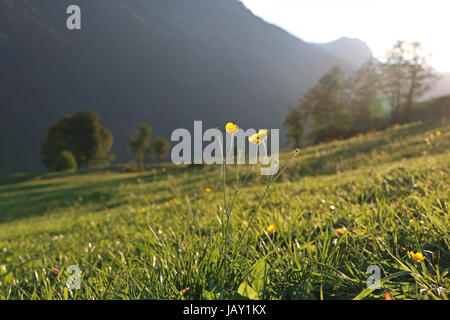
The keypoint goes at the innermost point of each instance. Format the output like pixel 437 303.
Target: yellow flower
pixel 262 134
pixel 417 256
pixel 259 137
pixel 272 228
pixel 175 200
pixel 254 139
pixel 231 128
pixel 143 210
pixel 207 190
pixel 163 169
pixel 438 133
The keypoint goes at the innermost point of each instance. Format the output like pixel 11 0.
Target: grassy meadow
pixel 164 233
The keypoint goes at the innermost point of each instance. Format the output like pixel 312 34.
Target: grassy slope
pixel 390 190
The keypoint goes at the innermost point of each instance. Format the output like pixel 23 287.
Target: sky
pixel 379 23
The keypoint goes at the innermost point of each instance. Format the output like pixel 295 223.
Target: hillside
pixel 166 62
pixel 338 208
pixel 441 87
pixel 354 51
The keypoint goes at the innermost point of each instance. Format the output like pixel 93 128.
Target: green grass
pixel 390 191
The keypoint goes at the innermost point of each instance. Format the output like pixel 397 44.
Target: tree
pixel 419 76
pixel 83 136
pixel 66 162
pixel 340 106
pixel 364 87
pixel 323 112
pixel 407 76
pixel 140 143
pixel 295 125
pixel 161 148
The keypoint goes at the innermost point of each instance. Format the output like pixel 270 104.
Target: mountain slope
pixel 440 88
pixel 166 62
pixel 351 50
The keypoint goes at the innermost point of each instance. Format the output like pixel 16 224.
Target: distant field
pixel 339 208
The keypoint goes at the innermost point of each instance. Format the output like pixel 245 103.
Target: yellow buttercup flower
pixel 231 128
pixel 259 137
pixel 163 169
pixel 144 210
pixel 272 228
pixel 207 190
pixel 438 133
pixel 417 256
pixel 254 139
pixel 262 134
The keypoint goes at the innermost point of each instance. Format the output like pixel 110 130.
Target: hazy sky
pixel 379 23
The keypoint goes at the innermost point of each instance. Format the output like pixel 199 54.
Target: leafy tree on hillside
pixel 295 124
pixel 329 118
pixel 407 76
pixel 83 136
pixel 341 106
pixel 322 111
pixel 161 148
pixel 66 162
pixel 140 143
pixel 364 85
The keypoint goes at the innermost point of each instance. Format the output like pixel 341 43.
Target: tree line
pixel 377 95
pixel 81 141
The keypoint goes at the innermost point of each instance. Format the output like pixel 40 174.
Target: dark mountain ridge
pixel 165 62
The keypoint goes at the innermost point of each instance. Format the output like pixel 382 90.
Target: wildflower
pixel 417 256
pixel 231 128
pixel 185 290
pixel 438 133
pixel 272 228
pixel 262 134
pixel 259 137
pixel 387 295
pixel 341 230
pixel 295 152
pixel 144 210
pixel 332 207
pixel 163 169
pixel 207 190
pixel 55 272
pixel 175 200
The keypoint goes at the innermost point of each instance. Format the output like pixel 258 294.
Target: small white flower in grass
pixel 335 241
pixel 332 207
